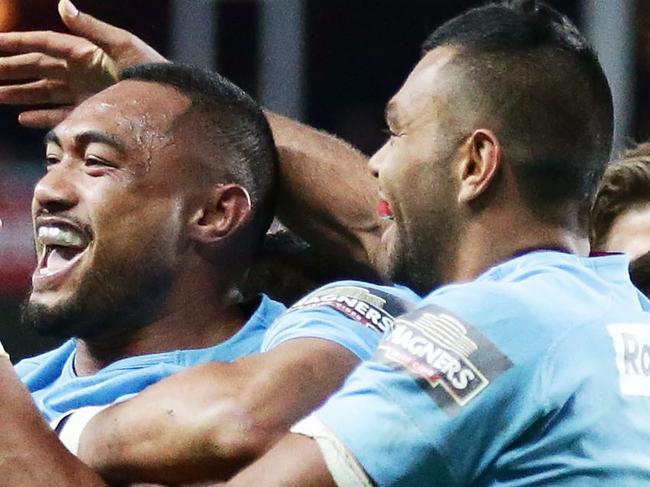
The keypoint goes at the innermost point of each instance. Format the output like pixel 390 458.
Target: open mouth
pixel 384 210
pixel 59 246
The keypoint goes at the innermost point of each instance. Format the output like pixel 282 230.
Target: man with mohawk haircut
pixel 531 371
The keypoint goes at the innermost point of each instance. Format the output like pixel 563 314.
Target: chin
pixel 104 303
pixel 66 313
pixel 52 321
pixel 406 269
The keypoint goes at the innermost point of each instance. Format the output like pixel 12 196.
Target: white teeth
pixel 389 218
pixel 63 237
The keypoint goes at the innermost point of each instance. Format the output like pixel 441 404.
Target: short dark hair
pixel 233 122
pixel 625 184
pixel 290 268
pixel 527 67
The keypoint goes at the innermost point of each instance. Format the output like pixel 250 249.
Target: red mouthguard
pixel 384 209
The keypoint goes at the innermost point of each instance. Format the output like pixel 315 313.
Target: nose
pixel 56 191
pixel 375 161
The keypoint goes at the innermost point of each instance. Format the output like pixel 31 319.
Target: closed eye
pixel 95 161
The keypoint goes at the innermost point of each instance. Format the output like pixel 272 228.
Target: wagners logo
pixel 451 360
pixel 436 348
pixel 366 306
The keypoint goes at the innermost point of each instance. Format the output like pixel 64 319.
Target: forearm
pixel 168 436
pixel 326 191
pixel 30 453
pixel 210 421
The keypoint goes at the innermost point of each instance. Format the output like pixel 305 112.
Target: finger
pixel 45 118
pixel 55 44
pixel 104 35
pixel 45 92
pixel 124 48
pixel 31 66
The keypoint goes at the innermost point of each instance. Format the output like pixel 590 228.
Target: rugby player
pixel 482 181
pixel 620 217
pixel 156 198
pixel 532 373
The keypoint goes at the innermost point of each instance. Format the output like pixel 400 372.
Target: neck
pixel 499 237
pixel 194 316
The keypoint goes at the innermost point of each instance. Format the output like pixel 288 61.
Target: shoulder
pixel 492 307
pixel 464 336
pixel 528 308
pixel 353 314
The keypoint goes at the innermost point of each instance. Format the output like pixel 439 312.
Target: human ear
pixel 224 211
pixel 480 165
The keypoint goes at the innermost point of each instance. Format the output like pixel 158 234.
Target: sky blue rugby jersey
pixel 537 373
pixel 355 314
pixel 57 390
pixel 336 313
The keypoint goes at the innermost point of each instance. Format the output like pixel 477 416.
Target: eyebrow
pixel 87 137
pixel 51 137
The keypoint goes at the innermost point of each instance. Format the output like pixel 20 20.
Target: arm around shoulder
pixel 210 421
pixel 326 191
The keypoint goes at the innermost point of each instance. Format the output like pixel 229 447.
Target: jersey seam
pixel 545 370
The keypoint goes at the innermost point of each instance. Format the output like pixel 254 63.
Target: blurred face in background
pixel 630 232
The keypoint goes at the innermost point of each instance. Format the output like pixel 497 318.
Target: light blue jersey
pixel 57 390
pixel 537 373
pixel 354 314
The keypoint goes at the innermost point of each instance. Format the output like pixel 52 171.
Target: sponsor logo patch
pixel 371 307
pixel 449 358
pixel 632 347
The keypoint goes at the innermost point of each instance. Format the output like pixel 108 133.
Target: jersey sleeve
pixel 353 314
pixel 440 399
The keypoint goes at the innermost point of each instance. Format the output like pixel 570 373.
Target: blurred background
pixel 330 63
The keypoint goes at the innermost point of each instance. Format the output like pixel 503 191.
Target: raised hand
pixel 62 70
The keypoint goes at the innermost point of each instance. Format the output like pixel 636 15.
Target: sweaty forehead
pixel 131 105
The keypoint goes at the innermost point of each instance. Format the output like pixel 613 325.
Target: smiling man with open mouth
pixel 101 207
pixel 156 197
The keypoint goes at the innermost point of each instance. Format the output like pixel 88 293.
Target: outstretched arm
pixel 204 423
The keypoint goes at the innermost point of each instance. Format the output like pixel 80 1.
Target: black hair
pixel 528 67
pixel 233 122
pixel 289 268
